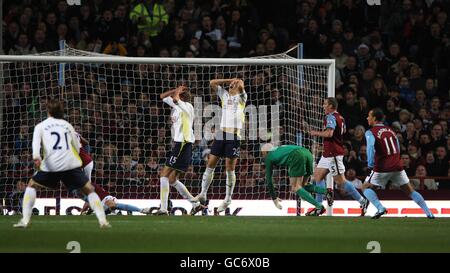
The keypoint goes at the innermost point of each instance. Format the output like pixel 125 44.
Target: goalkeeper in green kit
pixel 299 161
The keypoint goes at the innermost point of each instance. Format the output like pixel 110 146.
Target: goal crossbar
pixel 148 60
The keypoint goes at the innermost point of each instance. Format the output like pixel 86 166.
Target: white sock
pixel 330 183
pixel 181 188
pixel 97 207
pixel 28 204
pixel 231 181
pixel 206 180
pixel 164 192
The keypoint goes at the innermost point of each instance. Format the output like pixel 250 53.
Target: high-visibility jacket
pixel 151 23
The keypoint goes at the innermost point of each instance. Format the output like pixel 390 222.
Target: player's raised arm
pixel 240 86
pixel 215 83
pixel 170 92
pixel 182 102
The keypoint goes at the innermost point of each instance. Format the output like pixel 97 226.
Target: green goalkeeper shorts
pixel 300 163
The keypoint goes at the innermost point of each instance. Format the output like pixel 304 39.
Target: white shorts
pixel 88 170
pixel 107 198
pixel 381 179
pixel 334 164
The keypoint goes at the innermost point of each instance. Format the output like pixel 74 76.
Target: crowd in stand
pixel 395 56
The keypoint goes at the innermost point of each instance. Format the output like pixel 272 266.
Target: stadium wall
pixel 55 206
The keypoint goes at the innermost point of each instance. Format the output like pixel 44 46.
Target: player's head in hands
pixel 236 86
pixel 55 108
pixel 330 105
pixel 375 116
pixel 185 94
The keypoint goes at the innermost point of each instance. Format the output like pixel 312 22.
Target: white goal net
pixel 115 105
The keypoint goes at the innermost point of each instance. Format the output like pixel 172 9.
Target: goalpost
pixel 114 103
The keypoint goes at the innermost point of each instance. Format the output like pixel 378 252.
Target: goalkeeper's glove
pixel 277 202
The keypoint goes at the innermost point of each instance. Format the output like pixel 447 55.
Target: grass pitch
pixel 226 234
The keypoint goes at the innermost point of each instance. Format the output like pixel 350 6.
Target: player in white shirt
pixel 227 139
pixel 55 138
pixel 182 116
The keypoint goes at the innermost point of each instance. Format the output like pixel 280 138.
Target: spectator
pixel 22 140
pixel 350 176
pixel 150 17
pixel 349 43
pixel 140 177
pixel 416 81
pixel 270 46
pixel 207 35
pixel 391 112
pixel 404 117
pixel 435 108
pixel 136 157
pixel 151 165
pixel 109 153
pixel 340 57
pixel 437 136
pixel 40 42
pixel 350 68
pixel 368 77
pixel 11 36
pixel 358 137
pixel 363 156
pixel 354 163
pixel 122 25
pixel 420 101
pixel 161 154
pixel 104 28
pixel 236 31
pixel 441 161
pixel 414 153
pixel 430 88
pixel 221 49
pixel 350 110
pixel 87 18
pixel 429 183
pixel 406 161
pixel 425 143
pixel 23 46
pixel 363 55
pixel 378 93
pixel 406 93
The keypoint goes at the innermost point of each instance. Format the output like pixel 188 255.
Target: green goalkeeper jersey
pixel 293 156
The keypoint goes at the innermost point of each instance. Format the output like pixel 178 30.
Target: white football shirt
pixel 232 109
pixel 182 116
pixel 57 141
